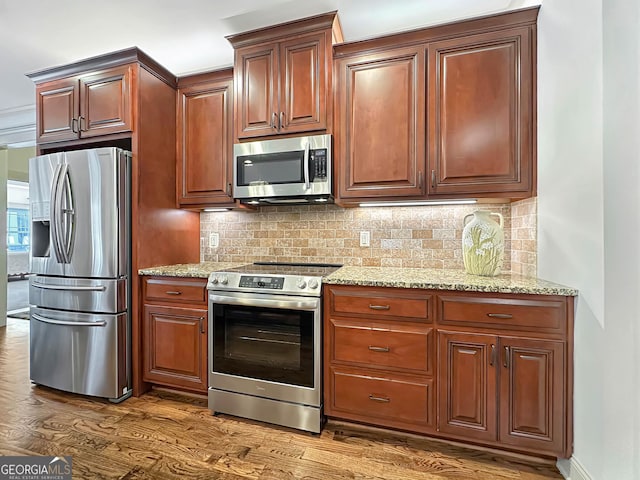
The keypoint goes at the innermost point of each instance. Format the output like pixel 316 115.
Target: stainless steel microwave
pixel 284 171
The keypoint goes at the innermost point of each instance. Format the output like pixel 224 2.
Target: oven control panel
pixel 270 283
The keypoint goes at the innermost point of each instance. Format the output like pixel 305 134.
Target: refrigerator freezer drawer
pixel 79 294
pixel 80 353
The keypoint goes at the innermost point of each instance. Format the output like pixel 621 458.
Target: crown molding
pixel 18 126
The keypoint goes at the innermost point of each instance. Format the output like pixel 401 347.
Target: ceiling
pixel 186 36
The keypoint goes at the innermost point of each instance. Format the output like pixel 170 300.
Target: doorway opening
pixel 18 247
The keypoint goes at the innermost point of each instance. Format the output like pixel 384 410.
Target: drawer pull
pixel 507 356
pixel 173 292
pixel 378 349
pixel 499 315
pixel 492 358
pixel 379 307
pixel 379 399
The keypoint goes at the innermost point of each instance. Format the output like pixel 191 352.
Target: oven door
pixel 266 345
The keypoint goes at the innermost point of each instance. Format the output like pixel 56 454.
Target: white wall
pixel 588 132
pixel 4 160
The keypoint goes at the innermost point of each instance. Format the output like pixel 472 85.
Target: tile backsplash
pixel 524 231
pixel 427 236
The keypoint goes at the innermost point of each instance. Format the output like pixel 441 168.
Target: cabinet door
pixel 303 84
pixel 532 402
pixel 205 142
pixel 105 102
pixel 380 124
pixel 467 385
pixel 257 90
pixel 56 110
pixel 480 114
pixel 175 347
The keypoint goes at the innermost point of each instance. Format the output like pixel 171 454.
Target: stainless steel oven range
pixel 265 343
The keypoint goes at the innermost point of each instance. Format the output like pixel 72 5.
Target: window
pixel 18 235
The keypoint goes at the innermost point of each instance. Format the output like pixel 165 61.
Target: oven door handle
pixel 263 302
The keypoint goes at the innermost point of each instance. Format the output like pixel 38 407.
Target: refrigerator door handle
pixel 68 212
pixel 40 318
pixel 55 214
pixel 68 287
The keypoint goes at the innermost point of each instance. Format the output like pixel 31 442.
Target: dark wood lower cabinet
pixel 177 344
pixel 502 389
pixel 532 395
pixel 468 395
pixel 501 373
pixel 174 333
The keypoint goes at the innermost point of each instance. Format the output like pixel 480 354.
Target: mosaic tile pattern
pixel 410 237
pixel 524 237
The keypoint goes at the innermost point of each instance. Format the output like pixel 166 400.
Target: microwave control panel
pixel 318 164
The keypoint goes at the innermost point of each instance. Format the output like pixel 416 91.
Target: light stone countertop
pixel 195 270
pixel 426 278
pixel 437 279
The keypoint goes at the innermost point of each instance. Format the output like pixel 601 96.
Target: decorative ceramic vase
pixel 483 243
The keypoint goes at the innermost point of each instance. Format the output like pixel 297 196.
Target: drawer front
pixel 379 303
pixel 397 346
pixel 178 290
pixel 388 397
pixel 541 315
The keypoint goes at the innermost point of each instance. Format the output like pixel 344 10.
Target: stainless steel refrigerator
pixel 80 254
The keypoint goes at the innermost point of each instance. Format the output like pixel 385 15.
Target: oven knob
pixel 301 284
pixel 214 280
pixel 224 280
pixel 313 283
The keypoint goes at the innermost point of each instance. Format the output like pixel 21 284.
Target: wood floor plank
pixel 165 435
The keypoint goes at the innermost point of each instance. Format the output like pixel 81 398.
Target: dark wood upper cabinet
pixel 257 83
pixel 380 111
pixel 57 107
pixel 480 114
pixel 205 139
pixel 283 77
pixel 442 112
pixel 105 102
pixel 85 106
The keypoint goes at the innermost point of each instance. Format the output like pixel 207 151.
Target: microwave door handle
pixel 307 184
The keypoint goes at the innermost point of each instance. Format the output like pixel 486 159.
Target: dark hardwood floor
pixel 163 435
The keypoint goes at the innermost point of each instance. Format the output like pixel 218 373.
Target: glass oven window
pixel 271 168
pixel 267 344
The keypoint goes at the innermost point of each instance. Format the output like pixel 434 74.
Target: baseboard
pixel 572 469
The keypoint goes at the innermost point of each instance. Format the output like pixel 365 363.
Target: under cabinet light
pixel 216 209
pixel 418 203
